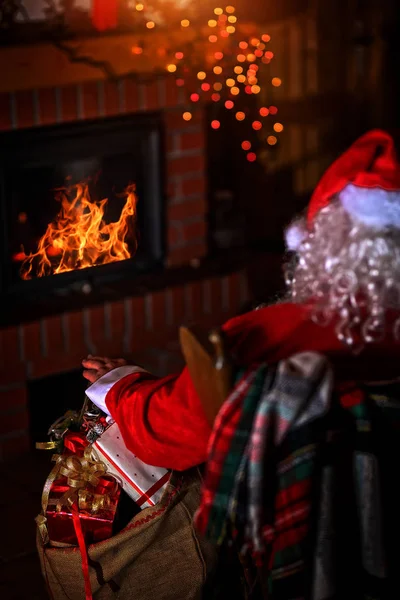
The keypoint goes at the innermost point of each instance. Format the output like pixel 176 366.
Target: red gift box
pixel 79 487
pixel 96 526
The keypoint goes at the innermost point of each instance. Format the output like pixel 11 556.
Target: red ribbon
pixel 75 443
pixel 83 550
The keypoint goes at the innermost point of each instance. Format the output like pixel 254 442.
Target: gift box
pixel 143 483
pixel 80 487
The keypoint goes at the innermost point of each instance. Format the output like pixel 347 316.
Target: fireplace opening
pixel 50 398
pixel 68 195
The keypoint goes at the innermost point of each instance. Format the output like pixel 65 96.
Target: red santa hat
pixel 365 179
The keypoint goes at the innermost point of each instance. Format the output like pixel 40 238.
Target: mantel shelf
pixel 44 65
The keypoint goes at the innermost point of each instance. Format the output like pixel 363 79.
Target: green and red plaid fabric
pixel 310 489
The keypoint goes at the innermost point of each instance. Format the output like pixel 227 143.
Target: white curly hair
pixel 349 271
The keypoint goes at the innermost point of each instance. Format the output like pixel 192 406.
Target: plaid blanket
pixel 296 476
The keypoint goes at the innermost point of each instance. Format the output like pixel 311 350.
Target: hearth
pixel 49 176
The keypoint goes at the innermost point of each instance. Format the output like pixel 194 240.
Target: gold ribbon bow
pixel 83 476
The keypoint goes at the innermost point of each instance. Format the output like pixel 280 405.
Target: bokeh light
pixel 276 81
pixel 187 116
pixel 229 104
pixel 278 127
pixel 264 112
pixel 246 145
pixel 201 75
pixel 271 140
pixel 194 97
pixel 185 22
pixel 240 116
pixel 215 124
pixel 257 125
pixel 235 91
pixel 251 157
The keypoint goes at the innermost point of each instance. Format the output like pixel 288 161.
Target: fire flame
pixel 79 237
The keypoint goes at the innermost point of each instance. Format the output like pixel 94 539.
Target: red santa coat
pixel 162 420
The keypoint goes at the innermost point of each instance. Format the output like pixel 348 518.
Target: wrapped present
pixel 143 483
pixel 79 498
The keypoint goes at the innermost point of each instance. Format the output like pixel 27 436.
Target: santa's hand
pixel 97 366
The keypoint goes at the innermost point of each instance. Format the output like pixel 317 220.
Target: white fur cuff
pixel 98 391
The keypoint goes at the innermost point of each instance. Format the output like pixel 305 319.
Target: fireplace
pixel 45 170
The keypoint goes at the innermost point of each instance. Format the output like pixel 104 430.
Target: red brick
pixel 235 293
pixel 138 322
pixel 54 336
pixel 25 111
pixel 131 95
pixel 174 120
pixel 171 142
pixel 172 189
pixel 97 324
pixel 52 365
pixel 47 106
pixel 216 300
pixel 5 112
pixel 186 164
pixel 111 98
pixel 151 96
pixel 183 256
pixel 9 348
pixel 14 397
pixel 171 92
pixel 192 140
pixel 32 343
pixel 13 421
pixel 75 329
pixel 158 303
pixel 185 210
pixel 16 446
pixel 175 235
pixel 178 305
pixel 14 373
pixel 195 295
pixel 90 100
pixel 194 231
pixel 69 103
pixel 197 185
pixel 117 310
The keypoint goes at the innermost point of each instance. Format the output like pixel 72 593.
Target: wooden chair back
pixel 209 367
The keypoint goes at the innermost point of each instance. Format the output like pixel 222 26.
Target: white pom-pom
pixel 295 235
pixel 374 207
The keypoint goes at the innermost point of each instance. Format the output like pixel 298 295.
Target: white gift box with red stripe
pixel 143 483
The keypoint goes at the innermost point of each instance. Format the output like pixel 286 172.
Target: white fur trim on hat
pixel 295 234
pixel 374 207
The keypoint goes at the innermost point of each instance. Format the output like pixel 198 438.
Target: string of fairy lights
pixel 231 70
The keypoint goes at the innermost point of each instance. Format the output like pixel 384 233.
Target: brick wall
pixel 142 328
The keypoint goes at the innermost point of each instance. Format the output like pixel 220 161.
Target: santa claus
pixel 343 302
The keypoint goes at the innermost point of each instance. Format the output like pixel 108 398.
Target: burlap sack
pixel 157 556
